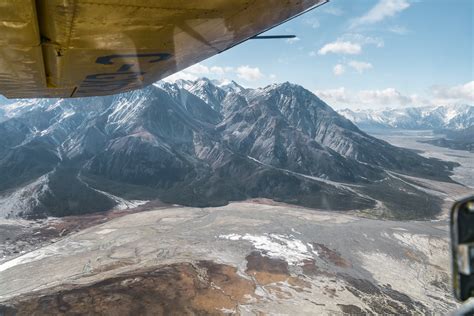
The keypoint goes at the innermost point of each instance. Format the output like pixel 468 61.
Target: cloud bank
pixel 391 97
pixel 383 9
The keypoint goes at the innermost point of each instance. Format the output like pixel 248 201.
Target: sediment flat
pixel 262 256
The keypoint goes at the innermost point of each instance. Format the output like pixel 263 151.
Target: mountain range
pixel 454 117
pixel 202 143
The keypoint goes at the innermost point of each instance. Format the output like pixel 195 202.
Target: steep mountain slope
pixel 198 143
pixel 440 117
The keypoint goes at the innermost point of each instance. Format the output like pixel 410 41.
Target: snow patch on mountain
pixel 121 203
pixel 23 199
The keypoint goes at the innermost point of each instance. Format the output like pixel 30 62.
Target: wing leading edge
pixel 77 48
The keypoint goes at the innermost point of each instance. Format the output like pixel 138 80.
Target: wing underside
pixel 76 48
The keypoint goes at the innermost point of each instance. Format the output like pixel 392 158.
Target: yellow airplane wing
pixel 76 48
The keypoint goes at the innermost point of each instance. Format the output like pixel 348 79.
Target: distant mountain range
pixel 201 143
pixel 454 117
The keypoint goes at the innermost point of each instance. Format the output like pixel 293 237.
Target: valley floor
pixel 412 139
pixel 246 258
pixel 262 257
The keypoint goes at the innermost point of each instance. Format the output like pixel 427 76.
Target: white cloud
pixel 340 47
pixel 191 73
pixel 398 29
pixel 181 75
pixel 391 97
pixel 313 22
pixel 362 39
pixel 249 73
pixel 338 69
pixel 382 10
pixel 292 40
pixel 198 69
pixel 217 72
pixel 350 44
pixel 360 66
pixel 335 97
pixel 385 97
pixel 341 97
pixel 329 9
pixel 273 78
pixel 463 93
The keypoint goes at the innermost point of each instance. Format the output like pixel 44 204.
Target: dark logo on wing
pixel 126 75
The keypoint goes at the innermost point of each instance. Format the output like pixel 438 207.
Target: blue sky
pixel 364 53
